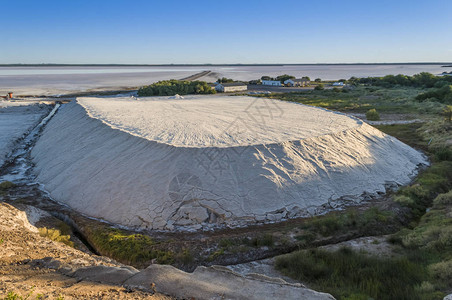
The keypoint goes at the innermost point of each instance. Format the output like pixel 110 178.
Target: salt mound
pixel 219 121
pixel 214 160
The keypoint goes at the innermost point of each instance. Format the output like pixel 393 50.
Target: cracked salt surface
pixel 207 162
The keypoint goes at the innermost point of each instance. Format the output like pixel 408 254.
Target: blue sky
pixel 154 32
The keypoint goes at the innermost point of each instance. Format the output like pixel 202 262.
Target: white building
pixel 271 82
pixel 297 82
pixel 340 83
pixel 231 87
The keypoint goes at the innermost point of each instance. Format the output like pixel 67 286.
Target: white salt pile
pixel 200 162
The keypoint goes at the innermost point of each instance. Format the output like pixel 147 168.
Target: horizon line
pixel 209 64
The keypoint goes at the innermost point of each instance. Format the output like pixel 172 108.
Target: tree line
pixel 173 87
pixel 439 88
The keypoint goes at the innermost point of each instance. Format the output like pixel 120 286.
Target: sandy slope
pixel 168 174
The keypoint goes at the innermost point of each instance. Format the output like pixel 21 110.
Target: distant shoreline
pixel 219 65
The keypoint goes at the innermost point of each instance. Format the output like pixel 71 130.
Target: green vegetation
pixel 127 247
pixel 216 254
pixel 439 87
pixel 5 185
pixel 284 77
pixel 242 244
pixel 442 94
pixel 319 87
pixel 422 80
pixel 339 222
pixel 438 134
pixel 264 240
pixel 429 243
pixel 172 87
pixel 56 235
pixel 350 275
pixel 442 271
pixel 422 266
pixel 436 179
pixel 185 257
pixel 225 80
pixel 423 93
pixel 434 231
pixel 11 295
pixel 422 269
pixel 429 198
pixel 443 199
pixel 447 112
pixel 61 233
pixel 362 98
pixel 407 133
pixel 372 115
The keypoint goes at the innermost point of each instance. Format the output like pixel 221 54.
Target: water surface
pixel 51 80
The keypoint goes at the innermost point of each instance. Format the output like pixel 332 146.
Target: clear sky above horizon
pixel 164 32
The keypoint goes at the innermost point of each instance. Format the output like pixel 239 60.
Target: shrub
pixel 442 94
pixel 447 113
pixel 172 87
pixel 186 257
pixel 319 87
pixel 443 199
pixel 404 200
pixel 15 296
pixel 284 77
pixel 6 185
pixel 225 80
pixel 442 153
pixel 334 223
pixel 226 243
pixel 433 233
pixel 422 79
pixel 265 240
pixel 128 248
pixel 372 115
pixel 347 274
pixel 425 287
pixel 442 271
pixel 216 254
pixel 55 235
pixel 434 180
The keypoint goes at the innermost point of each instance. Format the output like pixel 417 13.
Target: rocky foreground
pixel 31 264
